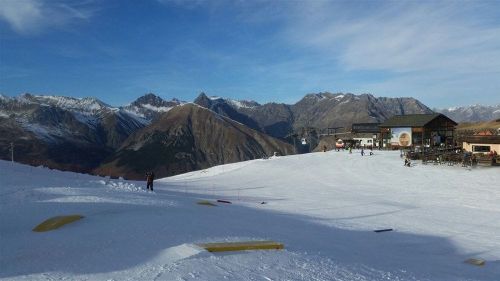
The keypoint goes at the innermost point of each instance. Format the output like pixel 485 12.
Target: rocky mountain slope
pixel 228 108
pixel 323 110
pixel 473 113
pixel 150 106
pixel 187 138
pixel 68 133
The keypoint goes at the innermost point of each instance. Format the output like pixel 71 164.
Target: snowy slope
pixel 322 206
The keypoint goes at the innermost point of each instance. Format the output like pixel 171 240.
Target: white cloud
pixel 437 51
pixel 402 37
pixel 33 16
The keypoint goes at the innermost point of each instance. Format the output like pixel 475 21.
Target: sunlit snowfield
pixel 322 206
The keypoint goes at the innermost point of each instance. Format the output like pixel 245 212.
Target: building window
pixel 481 148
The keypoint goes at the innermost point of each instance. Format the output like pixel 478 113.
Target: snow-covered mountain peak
pixel 154 101
pixel 235 103
pixel 471 113
pixel 150 106
pixel 87 104
pixel 4 97
pixel 215 98
pixel 243 103
pixel 81 105
pixel 339 97
pixel 208 101
pixel 150 99
pixel 326 96
pixel 316 97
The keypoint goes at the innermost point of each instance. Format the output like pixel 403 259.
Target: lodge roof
pixel 365 127
pixel 413 120
pixel 482 139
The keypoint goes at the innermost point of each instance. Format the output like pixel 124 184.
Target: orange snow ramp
pixel 56 222
pixel 241 246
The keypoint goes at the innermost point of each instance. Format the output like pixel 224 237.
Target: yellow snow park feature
pixel 56 222
pixel 476 262
pixel 206 203
pixel 241 246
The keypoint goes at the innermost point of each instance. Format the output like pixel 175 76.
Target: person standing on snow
pixel 150 176
pixel 407 161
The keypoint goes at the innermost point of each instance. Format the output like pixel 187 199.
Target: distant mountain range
pixel 171 137
pixel 472 113
pixel 71 133
pixel 323 110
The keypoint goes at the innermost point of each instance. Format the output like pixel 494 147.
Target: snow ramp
pixel 56 222
pixel 241 246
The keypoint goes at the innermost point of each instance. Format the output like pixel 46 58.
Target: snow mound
pixel 121 185
pixel 180 252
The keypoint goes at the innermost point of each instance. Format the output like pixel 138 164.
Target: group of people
pixel 350 149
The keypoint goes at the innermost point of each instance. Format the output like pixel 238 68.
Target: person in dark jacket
pixel 407 161
pixel 150 176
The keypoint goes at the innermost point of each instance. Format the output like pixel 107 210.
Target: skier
pixel 362 152
pixel 150 176
pixel 407 161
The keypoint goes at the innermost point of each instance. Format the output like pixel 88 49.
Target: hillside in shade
pixel 71 133
pixel 187 138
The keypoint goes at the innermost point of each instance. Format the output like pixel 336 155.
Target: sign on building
pixel 401 136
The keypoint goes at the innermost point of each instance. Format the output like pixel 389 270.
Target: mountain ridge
pixel 472 113
pixel 318 110
pixel 189 137
pixel 82 134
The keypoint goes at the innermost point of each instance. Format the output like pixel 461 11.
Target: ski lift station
pixel 417 130
pixel 400 131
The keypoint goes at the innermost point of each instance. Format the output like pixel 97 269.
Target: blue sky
pixel 444 53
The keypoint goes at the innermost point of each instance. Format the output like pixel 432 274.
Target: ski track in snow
pixel 322 206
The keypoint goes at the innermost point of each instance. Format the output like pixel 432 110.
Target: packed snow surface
pixel 322 206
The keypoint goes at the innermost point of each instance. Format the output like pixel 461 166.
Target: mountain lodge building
pixel 417 130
